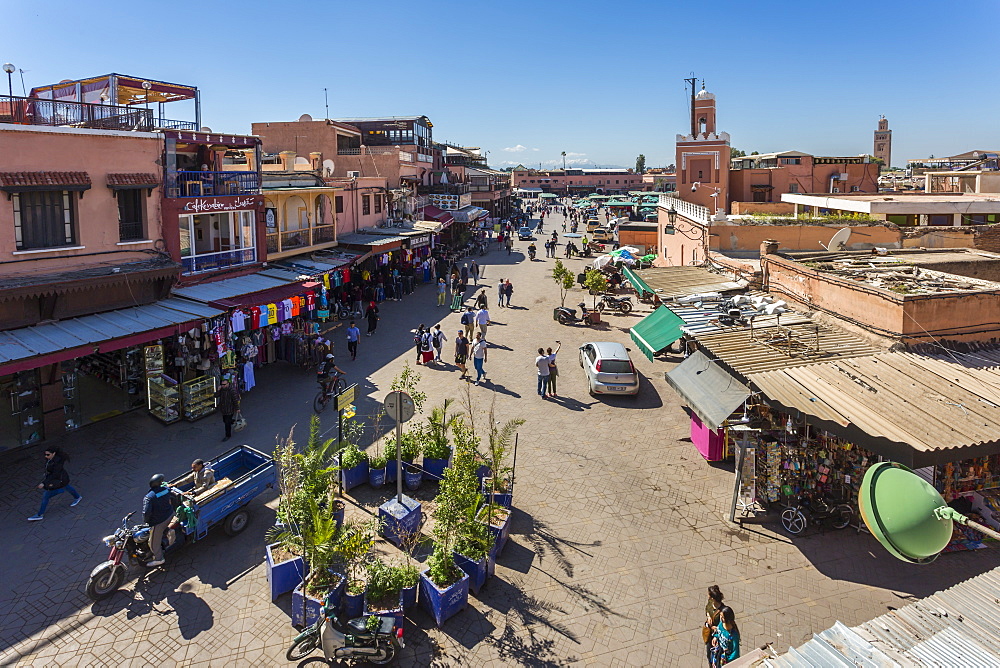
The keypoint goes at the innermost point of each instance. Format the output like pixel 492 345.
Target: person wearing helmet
pixel 324 374
pixel 157 512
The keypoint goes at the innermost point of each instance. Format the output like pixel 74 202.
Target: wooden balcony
pixel 292 242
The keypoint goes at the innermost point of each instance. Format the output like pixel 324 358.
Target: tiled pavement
pixel 620 526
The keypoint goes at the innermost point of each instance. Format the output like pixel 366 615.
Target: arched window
pixel 702 125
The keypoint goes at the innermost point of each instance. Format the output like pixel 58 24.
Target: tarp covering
pixel 710 391
pixel 657 331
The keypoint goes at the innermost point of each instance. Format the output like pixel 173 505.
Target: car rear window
pixel 615 366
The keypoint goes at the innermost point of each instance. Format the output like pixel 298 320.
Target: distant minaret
pixel 883 142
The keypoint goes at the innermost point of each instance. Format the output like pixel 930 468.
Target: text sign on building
pixel 214 204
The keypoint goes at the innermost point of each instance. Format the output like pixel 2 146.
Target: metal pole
pixel 513 465
pixel 399 453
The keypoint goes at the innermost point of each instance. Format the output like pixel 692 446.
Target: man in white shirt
pixel 482 321
pixel 479 349
pixel 542 364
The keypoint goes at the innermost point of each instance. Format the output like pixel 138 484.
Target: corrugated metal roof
pixel 928 404
pixel 749 351
pixel 28 342
pixel 285 274
pixel 229 287
pixel 679 281
pixel 698 321
pixel 369 239
pixel 959 627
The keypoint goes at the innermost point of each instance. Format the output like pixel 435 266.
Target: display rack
pixel 71 396
pixel 164 398
pixel 26 406
pixel 199 397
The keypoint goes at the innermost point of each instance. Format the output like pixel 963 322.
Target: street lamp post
pixel 9 69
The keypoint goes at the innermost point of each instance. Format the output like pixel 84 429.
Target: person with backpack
pixel 438 340
pixel 426 346
pixel 469 319
pixel 55 482
pixel 418 338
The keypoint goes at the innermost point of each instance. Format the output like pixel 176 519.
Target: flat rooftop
pixel 902 203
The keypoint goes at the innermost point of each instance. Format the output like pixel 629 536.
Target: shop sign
pixel 420 242
pixel 212 204
pixel 346 397
pixel 270 219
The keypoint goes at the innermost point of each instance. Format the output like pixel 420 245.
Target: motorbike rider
pixel 324 374
pixel 157 511
pixel 532 249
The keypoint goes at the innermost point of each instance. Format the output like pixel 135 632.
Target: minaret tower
pixel 703 156
pixel 883 142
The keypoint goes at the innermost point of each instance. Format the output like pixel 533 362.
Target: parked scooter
pixel 566 315
pixel 613 303
pixel 357 641
pixel 818 510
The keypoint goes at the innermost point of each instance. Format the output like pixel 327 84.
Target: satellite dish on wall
pixel 328 167
pixel 839 240
pixel 305 118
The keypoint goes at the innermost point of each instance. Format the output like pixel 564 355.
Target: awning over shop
pixel 710 391
pixel 549 195
pixel 679 281
pixel 31 347
pixel 229 288
pixel 374 242
pixel 656 331
pixel 440 215
pixel 468 214
pixel 432 226
pixel 637 283
pixel 916 410
pixel 272 296
pixel 617 203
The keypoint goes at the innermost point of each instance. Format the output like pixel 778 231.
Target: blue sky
pixel 527 80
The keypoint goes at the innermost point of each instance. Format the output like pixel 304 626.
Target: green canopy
pixel 599 197
pixel 647 258
pixel 548 195
pixel 618 203
pixel 636 282
pixel 657 331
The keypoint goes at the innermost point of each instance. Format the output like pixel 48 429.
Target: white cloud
pixel 517 149
pixel 570 154
pixel 534 149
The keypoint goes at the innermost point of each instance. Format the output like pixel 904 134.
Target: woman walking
pixel 442 287
pixel 725 639
pixel 438 339
pixel 418 342
pixel 56 481
pixel 372 315
pixel 461 352
pixel 713 610
pixel 553 369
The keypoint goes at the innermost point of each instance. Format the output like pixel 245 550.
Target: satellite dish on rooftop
pixel 206 129
pixel 305 118
pixel 839 240
pixel 907 515
pixel 328 167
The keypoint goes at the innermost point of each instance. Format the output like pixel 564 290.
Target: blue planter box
pixel 413 478
pixel 434 468
pixel 305 609
pixel 399 518
pixel 500 532
pixel 354 605
pixel 376 477
pixel 483 472
pixel 505 499
pixel 395 612
pixel 390 470
pixel 355 476
pixel 285 576
pixel 408 597
pixel 338 514
pixel 443 603
pixel 477 571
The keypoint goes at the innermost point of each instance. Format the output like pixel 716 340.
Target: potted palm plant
pixel 377 464
pixel 437 450
pixel 319 539
pixel 354 545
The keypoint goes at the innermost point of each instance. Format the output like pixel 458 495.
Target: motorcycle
pixel 129 546
pixel 817 510
pixel 613 303
pixel 565 315
pixel 531 252
pixel 373 639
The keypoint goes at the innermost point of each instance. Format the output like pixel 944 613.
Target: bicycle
pixel 336 385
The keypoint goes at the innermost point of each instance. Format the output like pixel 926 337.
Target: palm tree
pixel 564 160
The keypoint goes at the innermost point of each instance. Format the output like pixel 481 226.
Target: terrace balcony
pixel 279 243
pixel 444 189
pixel 58 113
pixel 211 184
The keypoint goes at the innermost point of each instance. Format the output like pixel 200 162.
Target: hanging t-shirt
pixel 238 321
pixel 272 314
pixel 255 317
pixel 311 301
pixel 326 281
pixel 248 378
pixel 286 309
pixel 347 275
pixel 296 302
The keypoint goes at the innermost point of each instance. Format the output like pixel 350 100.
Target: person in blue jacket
pixel 157 511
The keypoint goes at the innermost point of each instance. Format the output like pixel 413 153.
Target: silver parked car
pixel 609 369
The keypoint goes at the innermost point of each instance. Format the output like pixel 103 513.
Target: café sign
pixel 213 204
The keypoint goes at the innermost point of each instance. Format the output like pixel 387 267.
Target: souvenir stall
pixel 972 487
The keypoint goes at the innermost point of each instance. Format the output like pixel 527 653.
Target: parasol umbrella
pixel 600 261
pixel 647 258
pixel 572 235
